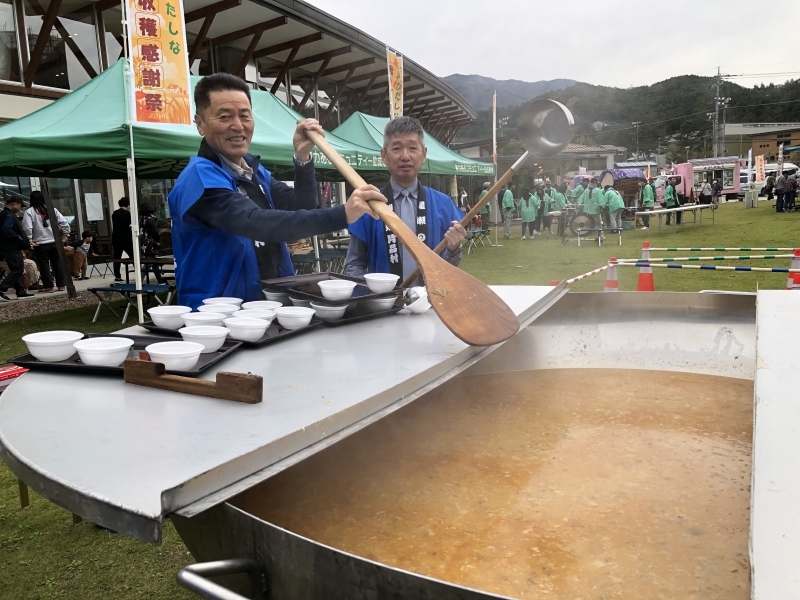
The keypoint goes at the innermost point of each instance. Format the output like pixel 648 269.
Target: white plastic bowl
pixel 329 313
pixel 337 289
pixel 266 315
pixel 261 305
pixel 300 302
pixel 379 283
pixel 211 319
pixel 421 304
pixel 225 309
pixel 52 346
pixel 294 317
pixel 210 337
pixel 168 317
pixel 281 297
pixel 175 356
pixel 223 300
pixel 247 330
pixel 380 304
pixel 103 351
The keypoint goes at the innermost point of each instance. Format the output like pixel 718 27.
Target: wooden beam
pixel 201 37
pixel 100 24
pixel 211 9
pixel 310 60
pixel 248 31
pixel 24 49
pixel 105 5
pixel 410 110
pixel 440 113
pixel 48 20
pixel 287 64
pixel 365 92
pixel 434 106
pixel 335 100
pixel 248 54
pixel 343 68
pixel 417 96
pixel 67 37
pixel 283 46
pixel 368 76
pixel 314 82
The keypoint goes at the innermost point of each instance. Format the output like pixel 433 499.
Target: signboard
pixel 780 160
pixel 395 63
pixel 160 63
pixel 94 207
pixel 761 175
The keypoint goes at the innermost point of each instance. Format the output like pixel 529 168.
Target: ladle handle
pixel 491 193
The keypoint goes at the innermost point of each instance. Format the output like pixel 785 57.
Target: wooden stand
pixel 239 387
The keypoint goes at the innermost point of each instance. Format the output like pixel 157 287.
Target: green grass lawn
pixel 43 555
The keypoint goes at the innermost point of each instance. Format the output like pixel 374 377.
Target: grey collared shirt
pixel 357 261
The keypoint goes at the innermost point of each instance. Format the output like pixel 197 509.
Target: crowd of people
pixel 784 189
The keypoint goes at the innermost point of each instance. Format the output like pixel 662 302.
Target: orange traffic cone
pixel 646 283
pixel 794 278
pixel 554 282
pixel 612 283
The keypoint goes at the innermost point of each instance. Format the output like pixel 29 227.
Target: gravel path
pixel 56 302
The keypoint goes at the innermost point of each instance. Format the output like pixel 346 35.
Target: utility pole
pixel 719 102
pixel 687 152
pixel 636 124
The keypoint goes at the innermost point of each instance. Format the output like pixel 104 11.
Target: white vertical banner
pixel 780 161
pixel 394 63
pixel 749 167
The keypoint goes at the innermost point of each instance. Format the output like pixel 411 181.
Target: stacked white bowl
pixel 329 313
pixel 210 337
pixel 225 309
pixel 175 356
pixel 294 317
pixel 210 319
pixel 223 300
pixel 168 317
pixel 379 283
pixel 246 330
pixel 52 346
pixel 103 351
pixel 337 289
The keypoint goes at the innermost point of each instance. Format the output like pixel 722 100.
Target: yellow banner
pixel 761 175
pixel 159 58
pixel 395 62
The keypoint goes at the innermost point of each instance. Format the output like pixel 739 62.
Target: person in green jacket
pixel 528 211
pixel 615 205
pixel 591 200
pixel 671 198
pixel 560 205
pixel 577 191
pixel 548 206
pixel 508 207
pixel 484 212
pixel 647 200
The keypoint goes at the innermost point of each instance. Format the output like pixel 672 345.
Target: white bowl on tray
pixel 379 283
pixel 211 337
pixel 329 313
pixel 261 305
pixel 380 304
pixel 337 289
pixel 294 317
pixel 281 297
pixel 417 300
pixel 210 319
pixel 175 356
pixel 304 302
pixel 103 351
pixel 52 346
pixel 223 300
pixel 168 317
pixel 266 315
pixel 225 309
pixel 246 330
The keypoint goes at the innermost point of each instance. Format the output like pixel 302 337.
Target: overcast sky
pixel 609 42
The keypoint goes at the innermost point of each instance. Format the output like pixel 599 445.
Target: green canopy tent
pixel 84 135
pixel 367 131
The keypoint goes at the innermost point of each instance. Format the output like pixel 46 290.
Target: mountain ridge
pixel 478 89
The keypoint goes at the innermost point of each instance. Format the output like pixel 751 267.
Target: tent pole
pixel 62 257
pixel 131 163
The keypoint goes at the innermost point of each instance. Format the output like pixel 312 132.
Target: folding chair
pixel 128 292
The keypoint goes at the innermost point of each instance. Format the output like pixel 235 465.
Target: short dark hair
pixel 402 126
pixel 218 82
pixel 37 199
pixel 123 202
pixel 13 200
pixel 86 234
pixel 147 209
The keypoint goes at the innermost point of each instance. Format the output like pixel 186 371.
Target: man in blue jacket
pixel 430 214
pixel 230 219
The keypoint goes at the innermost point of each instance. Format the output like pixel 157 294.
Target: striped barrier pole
pixel 708 267
pixel 701 258
pixel 722 249
pixel 612 283
pixel 585 275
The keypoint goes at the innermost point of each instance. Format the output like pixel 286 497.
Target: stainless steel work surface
pixel 775 510
pixel 125 456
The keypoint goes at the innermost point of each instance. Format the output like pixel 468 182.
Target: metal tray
pixel 361 313
pixel 74 364
pixel 273 333
pixel 305 286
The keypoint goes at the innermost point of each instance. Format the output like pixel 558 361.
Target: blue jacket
pixel 441 214
pixel 229 233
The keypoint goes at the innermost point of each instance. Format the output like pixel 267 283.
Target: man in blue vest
pixel 430 214
pixel 230 219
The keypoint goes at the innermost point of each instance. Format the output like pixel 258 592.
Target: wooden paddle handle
pixel 239 387
pixel 490 193
pixel 387 215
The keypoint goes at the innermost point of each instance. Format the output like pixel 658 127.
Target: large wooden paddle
pixel 473 312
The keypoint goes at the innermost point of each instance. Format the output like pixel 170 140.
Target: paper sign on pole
pixel 761 175
pixel 94 206
pixel 160 61
pixel 395 63
pixel 780 160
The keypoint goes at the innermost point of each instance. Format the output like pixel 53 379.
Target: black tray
pixel 362 313
pixel 273 333
pixel 74 364
pixel 305 286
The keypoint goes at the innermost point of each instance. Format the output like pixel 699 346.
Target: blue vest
pixel 441 214
pixel 211 262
